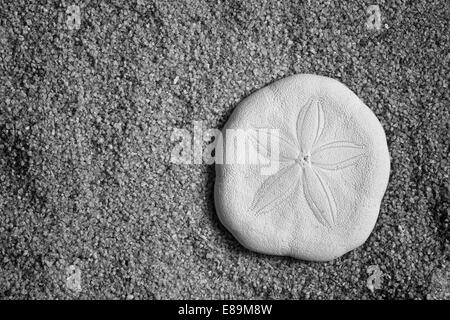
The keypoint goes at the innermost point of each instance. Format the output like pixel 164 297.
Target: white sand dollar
pixel 322 167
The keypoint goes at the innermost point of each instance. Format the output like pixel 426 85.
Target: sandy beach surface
pixel 91 92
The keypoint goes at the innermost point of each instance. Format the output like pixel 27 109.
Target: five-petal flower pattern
pixel 306 160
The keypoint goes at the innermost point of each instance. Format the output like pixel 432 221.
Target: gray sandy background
pixel 90 205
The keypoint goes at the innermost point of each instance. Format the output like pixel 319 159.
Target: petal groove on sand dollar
pixel 329 166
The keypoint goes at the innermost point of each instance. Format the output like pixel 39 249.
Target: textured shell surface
pixel 330 170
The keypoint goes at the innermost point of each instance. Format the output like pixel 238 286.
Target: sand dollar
pixel 301 169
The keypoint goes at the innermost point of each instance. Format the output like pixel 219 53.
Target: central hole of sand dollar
pixel 304 160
